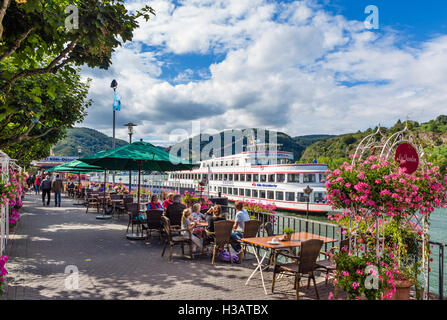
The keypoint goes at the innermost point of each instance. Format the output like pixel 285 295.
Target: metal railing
pixel 330 230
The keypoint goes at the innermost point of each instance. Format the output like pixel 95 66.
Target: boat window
pixel 220 177
pixel 225 177
pixel 221 163
pixel 241 192
pixel 309 178
pixel 248 177
pixel 290 196
pixel 256 178
pixel 262 194
pixel 236 177
pixel 230 190
pixel 271 178
pixel 293 177
pixel 271 195
pixel 280 177
pixel 230 177
pixel 237 162
pixel 263 178
pixel 279 195
pixel 232 163
pixel 224 190
pixel 254 193
pixel 301 197
pixel 247 192
pixel 319 197
pixel 219 189
pixel 242 177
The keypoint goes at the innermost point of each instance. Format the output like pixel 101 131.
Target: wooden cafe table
pixel 295 241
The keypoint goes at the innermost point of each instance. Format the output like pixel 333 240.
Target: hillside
pixel 431 134
pixel 295 145
pixel 91 141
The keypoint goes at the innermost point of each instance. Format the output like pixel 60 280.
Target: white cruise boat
pixel 261 174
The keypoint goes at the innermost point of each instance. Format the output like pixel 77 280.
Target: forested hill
pixel 296 145
pixel 90 140
pixel 432 135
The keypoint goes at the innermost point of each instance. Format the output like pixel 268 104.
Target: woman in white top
pixel 187 224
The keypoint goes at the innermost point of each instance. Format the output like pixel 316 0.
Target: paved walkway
pixel 48 239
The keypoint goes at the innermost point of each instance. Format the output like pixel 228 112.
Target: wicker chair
pixel 251 229
pixel 92 201
pixel 326 264
pixel 133 212
pixel 221 236
pixel 172 240
pixel 303 264
pixel 153 222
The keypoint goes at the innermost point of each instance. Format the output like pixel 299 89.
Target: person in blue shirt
pixel 154 204
pixel 241 217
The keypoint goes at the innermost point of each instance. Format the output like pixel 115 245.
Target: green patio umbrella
pixel 137 156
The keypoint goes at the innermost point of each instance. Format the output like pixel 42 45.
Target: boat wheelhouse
pixel 261 174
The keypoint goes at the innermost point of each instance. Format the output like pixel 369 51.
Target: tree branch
pixel 25 137
pixel 5 5
pixel 53 65
pixel 17 43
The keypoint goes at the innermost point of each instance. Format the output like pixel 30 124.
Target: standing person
pixel 56 186
pixel 37 183
pixel 46 190
pixel 241 217
pixel 29 182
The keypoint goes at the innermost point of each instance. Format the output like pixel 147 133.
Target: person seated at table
pixel 196 214
pixel 175 210
pixel 216 216
pixel 189 225
pixel 169 200
pixel 154 204
pixel 241 217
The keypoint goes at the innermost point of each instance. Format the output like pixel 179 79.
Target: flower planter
pixel 402 289
pixel 287 237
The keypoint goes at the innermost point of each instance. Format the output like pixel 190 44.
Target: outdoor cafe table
pixel 295 241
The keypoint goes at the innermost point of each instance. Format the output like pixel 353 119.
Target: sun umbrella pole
pixel 104 193
pixel 139 181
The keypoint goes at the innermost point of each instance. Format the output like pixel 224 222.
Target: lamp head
pixel 308 190
pixel 114 84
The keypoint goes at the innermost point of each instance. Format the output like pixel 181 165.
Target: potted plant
pixel 288 233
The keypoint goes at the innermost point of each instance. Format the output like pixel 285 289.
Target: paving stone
pixel 48 239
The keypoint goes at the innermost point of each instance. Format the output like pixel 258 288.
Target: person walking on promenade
pixel 56 186
pixel 46 190
pixel 29 182
pixel 37 183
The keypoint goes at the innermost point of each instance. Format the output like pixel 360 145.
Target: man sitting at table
pixel 241 217
pixel 169 200
pixel 174 211
pixel 154 204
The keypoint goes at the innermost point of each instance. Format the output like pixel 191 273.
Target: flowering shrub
pixel 189 198
pixel 11 193
pixel 379 195
pixel 120 188
pixel 384 187
pixel 259 207
pixel 3 272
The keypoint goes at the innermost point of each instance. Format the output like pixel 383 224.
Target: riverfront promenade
pixel 47 239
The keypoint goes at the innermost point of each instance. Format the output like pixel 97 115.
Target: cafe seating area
pixel 294 259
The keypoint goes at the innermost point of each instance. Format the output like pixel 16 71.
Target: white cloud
pixel 288 66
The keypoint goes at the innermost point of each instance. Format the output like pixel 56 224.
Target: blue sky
pixel 302 67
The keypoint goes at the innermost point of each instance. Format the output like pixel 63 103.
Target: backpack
pixel 224 256
pixel 46 184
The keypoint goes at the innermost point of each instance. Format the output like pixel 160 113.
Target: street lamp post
pixel 130 126
pixel 308 191
pixel 113 85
